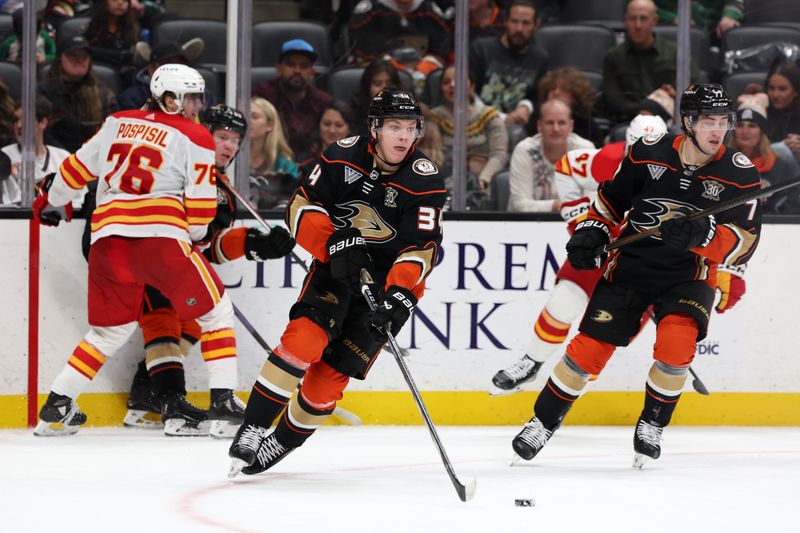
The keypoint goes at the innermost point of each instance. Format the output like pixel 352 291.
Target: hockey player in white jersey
pixel 577 175
pixel 155 196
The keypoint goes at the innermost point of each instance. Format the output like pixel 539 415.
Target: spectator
pixel 135 96
pixel 783 125
pixel 337 122
pixel 293 94
pixel 749 137
pixel 659 103
pixel 486 19
pixel 714 16
pixel 377 76
pixel 415 32
pixel 6 115
pixel 641 64
pixel 112 33
pixel 47 158
pixel 532 179
pixel 273 172
pixel 57 11
pixel 80 101
pixel 11 49
pixel 571 86
pixel 487 138
pixel 509 66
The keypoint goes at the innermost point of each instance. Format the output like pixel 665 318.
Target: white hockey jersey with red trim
pixel 156 177
pixel 578 174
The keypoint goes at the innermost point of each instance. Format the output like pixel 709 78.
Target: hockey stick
pixel 697 383
pixel 465 492
pixel 339 412
pixel 224 180
pixel 722 206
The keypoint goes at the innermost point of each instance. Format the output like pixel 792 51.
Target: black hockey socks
pixel 563 387
pixel 662 392
pixel 271 391
pixel 299 422
pixel 165 369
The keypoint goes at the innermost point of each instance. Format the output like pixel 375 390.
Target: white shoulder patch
pixel 651 138
pixel 741 160
pixel 364 6
pixel 347 142
pixel 424 167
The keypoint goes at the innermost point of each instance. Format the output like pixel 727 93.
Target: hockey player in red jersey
pixel 577 174
pixel 155 198
pixel 661 179
pixel 159 384
pixel 371 203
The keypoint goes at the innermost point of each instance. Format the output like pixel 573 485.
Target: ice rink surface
pixel 387 479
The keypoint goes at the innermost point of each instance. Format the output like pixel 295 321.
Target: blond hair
pixel 275 143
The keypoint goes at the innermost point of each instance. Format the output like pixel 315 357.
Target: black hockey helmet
pixel 394 103
pixel 706 99
pixel 225 117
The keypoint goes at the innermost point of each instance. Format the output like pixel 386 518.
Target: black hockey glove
pixel 392 312
pixel 590 235
pixel 48 217
pixel 260 246
pixel 349 255
pixel 684 234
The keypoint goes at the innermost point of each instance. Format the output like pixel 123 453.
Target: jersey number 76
pixel 142 161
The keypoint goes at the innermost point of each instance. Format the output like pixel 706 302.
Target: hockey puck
pixel 525 502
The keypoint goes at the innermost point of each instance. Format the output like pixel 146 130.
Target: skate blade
pixel 640 459
pixel 236 467
pixel 177 427
pixel 142 419
pixel 497 391
pixel 223 429
pixel 54 429
pixel 515 459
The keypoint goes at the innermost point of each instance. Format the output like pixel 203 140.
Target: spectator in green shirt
pixel 714 16
pixel 11 46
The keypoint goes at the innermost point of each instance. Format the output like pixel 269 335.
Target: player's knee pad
pixel 589 354
pixel 566 302
pixel 676 340
pixel 110 339
pixel 323 386
pixel 160 325
pixel 303 341
pixel 220 316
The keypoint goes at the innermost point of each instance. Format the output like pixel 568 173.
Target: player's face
pixel 396 138
pixel 747 135
pixel 332 127
pixel 710 131
pixel 226 143
pixel 780 91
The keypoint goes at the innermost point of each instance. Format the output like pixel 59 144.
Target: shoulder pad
pixel 364 6
pixel 424 167
pixel 742 161
pixel 347 142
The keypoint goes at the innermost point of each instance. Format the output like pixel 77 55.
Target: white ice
pixel 387 479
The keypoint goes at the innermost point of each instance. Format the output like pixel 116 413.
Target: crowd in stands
pixel 541 82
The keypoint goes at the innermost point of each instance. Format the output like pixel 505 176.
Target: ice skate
pixel 510 380
pixel 226 414
pixel 531 439
pixel 144 410
pixel 182 419
pixel 245 447
pixel 59 415
pixel 646 443
pixel 269 453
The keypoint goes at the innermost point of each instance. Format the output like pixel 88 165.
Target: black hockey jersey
pixel 651 185
pixel 398 214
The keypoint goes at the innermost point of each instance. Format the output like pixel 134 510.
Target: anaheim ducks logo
pixel 363 216
pixel 347 142
pixel 603 316
pixel 656 211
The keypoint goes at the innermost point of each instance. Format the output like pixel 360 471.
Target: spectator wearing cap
pixel 135 96
pixel 750 138
pixel 80 101
pixel 293 94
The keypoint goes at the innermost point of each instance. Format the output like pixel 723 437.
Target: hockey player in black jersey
pixel 371 203
pixel 662 179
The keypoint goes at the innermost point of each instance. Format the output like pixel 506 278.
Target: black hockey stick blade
pixel 697 383
pixel 722 206
pixel 465 492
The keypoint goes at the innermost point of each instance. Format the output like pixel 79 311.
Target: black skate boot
pixel 269 453
pixel 646 443
pixel 182 419
pixel 59 415
pixel 226 413
pixel 531 439
pixel 144 409
pixel 509 380
pixel 245 447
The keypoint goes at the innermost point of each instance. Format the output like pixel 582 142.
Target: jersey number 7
pixel 142 161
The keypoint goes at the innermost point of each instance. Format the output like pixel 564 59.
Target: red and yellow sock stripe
pixel 219 344
pixel 549 329
pixel 86 359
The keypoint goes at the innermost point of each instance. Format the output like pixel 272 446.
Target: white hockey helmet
pixel 177 79
pixel 642 125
